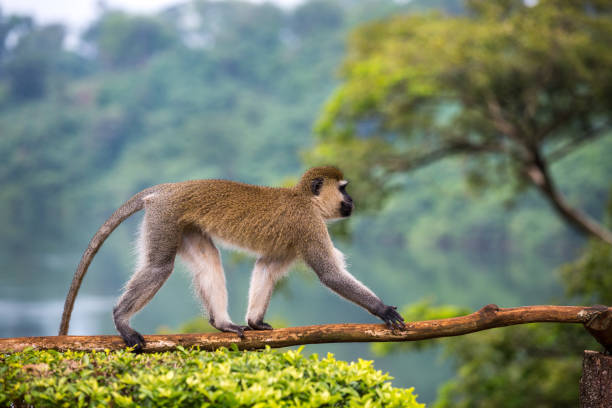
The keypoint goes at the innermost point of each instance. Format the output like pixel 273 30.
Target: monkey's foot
pixel 233 328
pixel 135 340
pixel 392 319
pixel 259 325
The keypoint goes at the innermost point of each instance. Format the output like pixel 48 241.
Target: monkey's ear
pixel 315 185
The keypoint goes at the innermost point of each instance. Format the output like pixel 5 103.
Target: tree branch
pixel 501 123
pixel 403 163
pixel 598 321
pixel 573 144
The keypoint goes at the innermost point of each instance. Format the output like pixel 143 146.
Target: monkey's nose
pixel 346 207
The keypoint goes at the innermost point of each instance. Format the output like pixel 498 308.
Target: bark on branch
pixel 597 319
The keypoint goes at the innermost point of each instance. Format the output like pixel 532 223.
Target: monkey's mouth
pixel 346 208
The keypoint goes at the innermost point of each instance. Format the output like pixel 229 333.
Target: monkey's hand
pixel 134 340
pixel 392 319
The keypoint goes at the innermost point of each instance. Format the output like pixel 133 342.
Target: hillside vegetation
pixel 233 90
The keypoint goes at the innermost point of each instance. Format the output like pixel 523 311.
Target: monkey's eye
pixel 315 185
pixel 342 186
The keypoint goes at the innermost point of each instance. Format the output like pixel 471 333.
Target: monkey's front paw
pixel 135 340
pixel 259 325
pixel 392 319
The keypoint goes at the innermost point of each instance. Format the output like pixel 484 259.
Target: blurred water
pixel 42 318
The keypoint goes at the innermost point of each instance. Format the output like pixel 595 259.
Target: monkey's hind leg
pixel 157 250
pixel 203 259
pixel 263 279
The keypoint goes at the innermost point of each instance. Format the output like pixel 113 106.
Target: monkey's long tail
pixel 134 204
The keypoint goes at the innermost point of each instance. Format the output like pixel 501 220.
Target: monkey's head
pixel 327 188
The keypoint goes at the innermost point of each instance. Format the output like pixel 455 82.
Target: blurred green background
pixel 445 115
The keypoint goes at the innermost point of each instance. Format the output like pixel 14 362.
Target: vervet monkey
pixel 278 225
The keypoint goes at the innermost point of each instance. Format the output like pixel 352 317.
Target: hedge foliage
pixel 189 378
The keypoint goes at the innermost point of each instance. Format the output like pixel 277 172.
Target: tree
pixel 122 40
pixel 510 87
pixel 28 55
pixel 11 25
pixel 316 16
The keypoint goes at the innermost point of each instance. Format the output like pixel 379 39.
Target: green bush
pixel 193 378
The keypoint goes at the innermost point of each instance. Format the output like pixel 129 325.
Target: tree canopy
pixel 509 86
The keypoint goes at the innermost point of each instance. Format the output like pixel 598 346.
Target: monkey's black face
pixel 346 205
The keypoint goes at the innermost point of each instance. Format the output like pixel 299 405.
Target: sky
pixel 76 14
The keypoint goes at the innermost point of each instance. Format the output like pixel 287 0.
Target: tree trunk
pixel 596 381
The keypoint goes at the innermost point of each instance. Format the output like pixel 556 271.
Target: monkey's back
pixel 258 219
